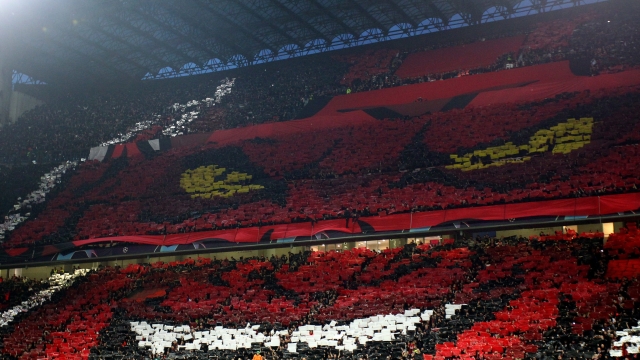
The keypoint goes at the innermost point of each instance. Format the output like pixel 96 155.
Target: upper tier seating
pixel 366 66
pixel 377 168
pixel 72 123
pixel 355 169
pixel 555 34
pixel 466 57
pixel 277 94
pixel 499 299
pixel 67 127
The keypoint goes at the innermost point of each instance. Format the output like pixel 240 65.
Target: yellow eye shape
pixel 562 138
pixel 212 181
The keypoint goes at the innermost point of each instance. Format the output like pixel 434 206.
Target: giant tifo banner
pixel 510 86
pixel 351 172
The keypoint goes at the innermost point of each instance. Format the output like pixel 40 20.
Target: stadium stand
pixel 18 181
pixel 498 298
pixel 14 291
pixel 273 94
pixel 465 151
pixel 461 158
pixel 368 67
pixel 528 124
pixel 465 57
pixel 269 94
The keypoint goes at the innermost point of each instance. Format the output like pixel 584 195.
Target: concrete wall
pixel 44 272
pixel 21 103
pixel 590 228
pixel 37 273
pixel 12 103
pixel 5 90
pixel 551 230
pixel 528 232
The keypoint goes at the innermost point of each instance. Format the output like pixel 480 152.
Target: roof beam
pixel 433 7
pixel 87 56
pixel 153 39
pixel 118 54
pixel 174 31
pixel 298 18
pixel 207 30
pixel 65 33
pixel 328 12
pixel 402 13
pixel 270 24
pixel 239 27
pixel 62 74
pixel 49 76
pixel 366 14
pixel 507 5
pixel 129 45
pixel 473 14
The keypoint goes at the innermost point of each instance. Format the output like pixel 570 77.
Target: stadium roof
pixel 96 40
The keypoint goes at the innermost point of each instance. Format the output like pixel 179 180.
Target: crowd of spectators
pixel 610 41
pixel 67 127
pixel 558 342
pixel 16 182
pixel 276 93
pixel 607 41
pixel 350 172
pixel 613 50
pixel 15 290
pixel 500 281
pixel 23 294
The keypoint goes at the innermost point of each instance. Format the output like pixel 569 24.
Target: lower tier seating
pixel 498 299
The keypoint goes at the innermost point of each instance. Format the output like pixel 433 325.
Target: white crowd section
pixel 49 180
pixel 627 340
pixel 56 282
pixel 178 123
pixel 187 111
pixel 157 337
pixel 20 211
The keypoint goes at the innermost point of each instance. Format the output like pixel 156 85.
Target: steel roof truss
pixel 268 22
pixel 205 32
pixel 222 17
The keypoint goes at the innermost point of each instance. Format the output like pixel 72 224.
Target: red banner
pixel 465 57
pixel 388 223
pixel 552 72
pixel 549 88
pixel 594 206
